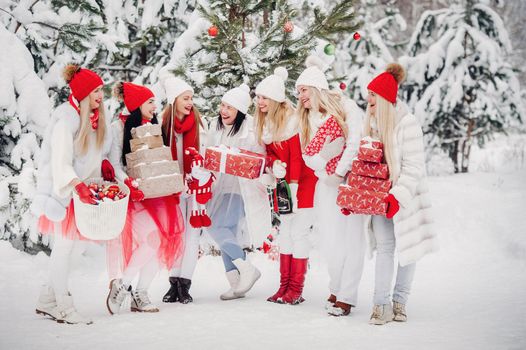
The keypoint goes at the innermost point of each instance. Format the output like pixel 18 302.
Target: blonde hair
pixel 82 139
pixel 385 115
pixel 326 102
pixel 276 117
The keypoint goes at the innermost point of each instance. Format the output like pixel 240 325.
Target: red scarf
pixel 94 118
pixel 188 128
pixel 124 117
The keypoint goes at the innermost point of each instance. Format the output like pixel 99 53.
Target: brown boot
pixel 330 302
pixel 340 309
pixel 284 270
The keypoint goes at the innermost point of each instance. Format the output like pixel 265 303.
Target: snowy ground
pixel 471 295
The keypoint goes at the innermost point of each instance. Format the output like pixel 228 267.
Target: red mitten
pixel 108 173
pixel 85 194
pixel 136 195
pixel 392 206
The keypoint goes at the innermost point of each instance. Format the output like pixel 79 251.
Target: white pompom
pixel 281 72
pixel 244 87
pixel 314 60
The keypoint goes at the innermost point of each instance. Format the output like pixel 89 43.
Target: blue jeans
pixel 383 229
pixel 225 221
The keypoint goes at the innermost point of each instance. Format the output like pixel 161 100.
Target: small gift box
pixel 369 183
pixel 163 167
pixel 377 170
pixel 232 161
pixel 146 130
pixel 369 142
pixel 362 201
pixel 148 156
pixel 147 142
pixel 162 185
pixel 373 155
pixel 330 129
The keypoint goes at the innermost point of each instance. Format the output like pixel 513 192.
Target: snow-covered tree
pixel 459 79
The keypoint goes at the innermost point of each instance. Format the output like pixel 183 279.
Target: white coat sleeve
pixel 115 155
pixel 354 121
pixel 62 171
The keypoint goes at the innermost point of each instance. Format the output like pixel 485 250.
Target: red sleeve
pixel 271 154
pixel 296 160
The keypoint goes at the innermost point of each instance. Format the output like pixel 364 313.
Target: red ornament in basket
pixel 106 192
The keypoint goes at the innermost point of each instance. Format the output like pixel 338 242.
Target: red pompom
pixel 212 31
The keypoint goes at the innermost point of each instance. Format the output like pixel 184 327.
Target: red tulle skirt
pixel 68 226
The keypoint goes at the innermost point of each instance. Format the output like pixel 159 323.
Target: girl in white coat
pixel 75 144
pixel 236 198
pixel 407 226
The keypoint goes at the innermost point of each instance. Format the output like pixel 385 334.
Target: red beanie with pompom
pixel 135 95
pixel 81 81
pixel 386 83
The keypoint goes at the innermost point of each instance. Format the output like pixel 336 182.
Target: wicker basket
pixel 104 221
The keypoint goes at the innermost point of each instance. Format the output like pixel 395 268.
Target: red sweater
pixel 289 152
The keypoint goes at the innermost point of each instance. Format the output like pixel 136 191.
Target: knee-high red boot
pixel 297 281
pixel 284 270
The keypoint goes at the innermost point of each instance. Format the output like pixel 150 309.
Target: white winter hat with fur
pixel 273 86
pixel 239 98
pixel 173 86
pixel 313 75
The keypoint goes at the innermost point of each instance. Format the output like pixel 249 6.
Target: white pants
pixel 59 262
pixel 186 265
pixel 295 233
pixel 342 242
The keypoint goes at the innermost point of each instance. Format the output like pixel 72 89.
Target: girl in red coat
pixel 277 129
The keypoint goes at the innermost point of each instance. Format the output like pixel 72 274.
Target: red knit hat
pixel 135 95
pixel 386 83
pixel 81 81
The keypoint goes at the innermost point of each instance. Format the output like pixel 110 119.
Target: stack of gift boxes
pixel 368 184
pixel 233 161
pixel 151 163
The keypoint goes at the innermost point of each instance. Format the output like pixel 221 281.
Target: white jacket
pixel 60 163
pixel 115 155
pixel 413 224
pixel 253 192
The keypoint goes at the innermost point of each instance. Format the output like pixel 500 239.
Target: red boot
pixel 297 280
pixel 284 270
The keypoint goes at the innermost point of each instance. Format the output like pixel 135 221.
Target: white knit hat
pixel 273 86
pixel 173 86
pixel 239 98
pixel 313 75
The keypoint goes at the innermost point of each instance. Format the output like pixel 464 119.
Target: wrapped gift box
pixel 147 142
pixel 362 201
pixel 369 142
pixel 330 129
pixel 163 167
pixel 368 183
pixel 377 170
pixel 148 156
pixel 162 185
pixel 370 154
pixel 235 162
pixel 146 130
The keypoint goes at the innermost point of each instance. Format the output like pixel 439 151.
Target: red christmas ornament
pixel 343 86
pixel 212 31
pixel 356 36
pixel 288 27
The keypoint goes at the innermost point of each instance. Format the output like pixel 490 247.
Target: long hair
pixel 326 102
pixel 134 120
pixel 276 117
pixel 238 122
pixel 169 113
pixel 385 115
pixel 82 140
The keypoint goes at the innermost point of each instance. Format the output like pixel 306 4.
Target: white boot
pixel 141 302
pixel 233 278
pixel 248 275
pixel 399 312
pixel 116 296
pixel 66 312
pixel 47 303
pixel 381 314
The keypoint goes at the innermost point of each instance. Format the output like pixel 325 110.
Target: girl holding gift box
pixel 410 230
pixel 181 129
pixel 277 129
pixel 326 120
pixel 153 233
pixel 236 198
pixel 75 144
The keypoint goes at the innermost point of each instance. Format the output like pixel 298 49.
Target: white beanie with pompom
pixel 273 86
pixel 172 85
pixel 313 75
pixel 239 98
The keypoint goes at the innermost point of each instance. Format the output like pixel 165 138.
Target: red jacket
pixel 289 151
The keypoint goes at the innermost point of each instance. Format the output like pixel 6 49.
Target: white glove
pixel 294 195
pixel 279 169
pixel 333 180
pixel 332 149
pixel 268 180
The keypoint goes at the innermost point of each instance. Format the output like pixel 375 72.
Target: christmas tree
pixel 459 80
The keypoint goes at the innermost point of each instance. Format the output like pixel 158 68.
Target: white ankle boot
pixel 66 312
pixel 47 303
pixel 116 296
pixel 399 312
pixel 141 302
pixel 233 278
pixel 381 314
pixel 248 275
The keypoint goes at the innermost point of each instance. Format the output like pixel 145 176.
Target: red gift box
pixel 237 162
pixel 377 170
pixel 369 142
pixel 362 201
pixel 370 154
pixel 330 129
pixel 369 183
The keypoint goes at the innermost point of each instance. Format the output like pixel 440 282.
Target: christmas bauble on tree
pixel 329 49
pixel 356 36
pixel 212 31
pixel 343 86
pixel 288 27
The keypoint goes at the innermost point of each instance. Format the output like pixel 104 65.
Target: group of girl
pixel 81 143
